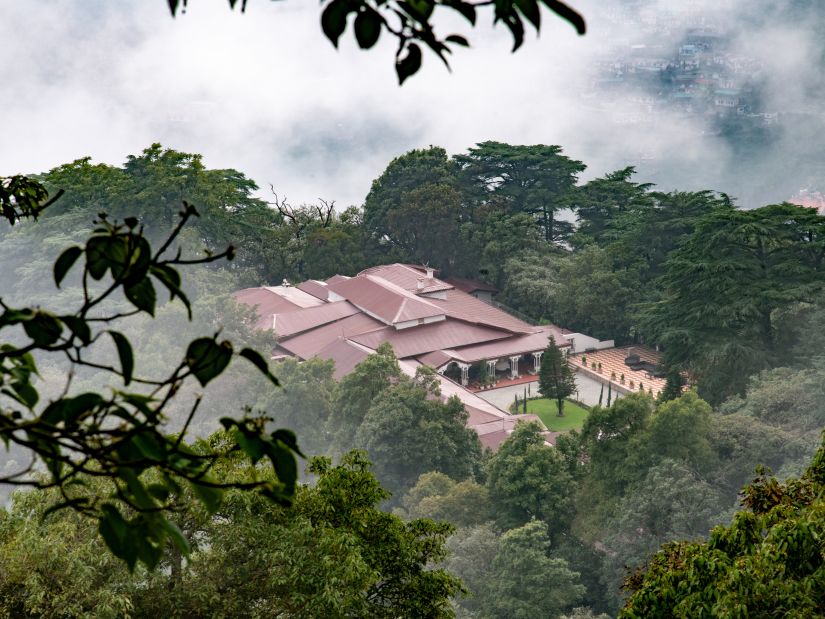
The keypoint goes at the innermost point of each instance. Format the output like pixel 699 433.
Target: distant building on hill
pixel 448 325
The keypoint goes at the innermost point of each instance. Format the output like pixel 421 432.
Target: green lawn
pixel 574 415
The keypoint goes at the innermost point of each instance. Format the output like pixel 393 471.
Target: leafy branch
pixel 409 21
pixel 119 437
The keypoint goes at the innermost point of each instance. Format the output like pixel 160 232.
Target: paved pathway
pixel 588 392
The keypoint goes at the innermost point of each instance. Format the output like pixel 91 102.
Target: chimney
pixel 422 283
pixel 430 272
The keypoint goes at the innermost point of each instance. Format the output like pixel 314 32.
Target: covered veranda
pixel 498 371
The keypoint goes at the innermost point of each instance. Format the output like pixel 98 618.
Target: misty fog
pixel 229 86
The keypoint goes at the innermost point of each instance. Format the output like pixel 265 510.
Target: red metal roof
pixel 317 289
pixel 385 300
pixel 494 433
pixel 429 337
pixel 512 346
pixel 306 345
pixel 470 285
pixel 408 277
pixel 336 278
pixel 291 323
pixel 466 307
pixel 345 354
pixel 434 359
pixel 266 303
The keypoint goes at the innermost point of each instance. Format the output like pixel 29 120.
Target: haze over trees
pixel 640 473
pixel 734 298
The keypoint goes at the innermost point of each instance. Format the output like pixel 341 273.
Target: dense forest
pixel 401 512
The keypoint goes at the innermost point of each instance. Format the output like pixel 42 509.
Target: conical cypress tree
pixel 556 380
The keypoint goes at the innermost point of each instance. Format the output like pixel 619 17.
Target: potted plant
pixel 622 379
pixel 632 384
pixel 641 386
pixel 600 367
pixel 612 375
pixel 593 365
pixel 584 360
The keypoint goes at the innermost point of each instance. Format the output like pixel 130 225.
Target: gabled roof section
pixel 530 342
pixel 384 300
pixel 411 278
pixel 315 288
pixel 266 303
pixel 307 344
pixel 434 359
pixel 345 354
pixel 470 285
pixel 466 307
pixel 426 338
pixel 292 323
pixel 337 278
pixel 295 296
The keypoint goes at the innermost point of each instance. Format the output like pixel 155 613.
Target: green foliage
pixel 408 432
pixel 526 581
pixel 436 496
pixel 22 197
pixel 547 410
pixel 304 402
pixel 511 575
pixel 600 203
pixel 414 205
pixel 723 288
pixel 120 436
pixel 596 294
pixel 357 391
pixel 252 558
pixel 767 562
pixel 528 479
pixel 534 180
pixel 674 385
pixel 556 380
pixel 672 502
pixel 472 551
pixel 791 398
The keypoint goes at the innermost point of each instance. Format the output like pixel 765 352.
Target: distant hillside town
pixel 680 62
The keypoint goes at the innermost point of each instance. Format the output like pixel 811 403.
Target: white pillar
pixel 465 373
pixel 491 368
pixel 514 366
pixel 537 361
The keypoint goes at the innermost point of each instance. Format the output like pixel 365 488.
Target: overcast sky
pixel 264 92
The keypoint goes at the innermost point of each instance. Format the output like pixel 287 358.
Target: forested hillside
pixel 733 298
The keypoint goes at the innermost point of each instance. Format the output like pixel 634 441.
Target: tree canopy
pixel 251 558
pixel 768 561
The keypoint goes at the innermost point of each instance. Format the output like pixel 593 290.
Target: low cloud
pixel 265 92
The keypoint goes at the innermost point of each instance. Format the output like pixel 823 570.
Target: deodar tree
pixel 724 286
